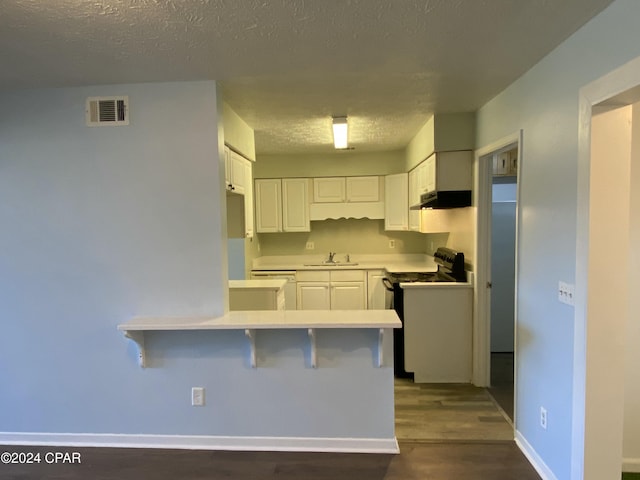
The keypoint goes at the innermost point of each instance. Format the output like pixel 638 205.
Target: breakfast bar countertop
pixel 275 319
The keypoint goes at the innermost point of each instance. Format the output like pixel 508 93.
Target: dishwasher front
pixel 290 295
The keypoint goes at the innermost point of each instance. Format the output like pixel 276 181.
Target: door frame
pixel 483 173
pixel 596 394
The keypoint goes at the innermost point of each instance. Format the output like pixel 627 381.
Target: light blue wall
pixel 544 102
pixel 101 224
pixel 235 250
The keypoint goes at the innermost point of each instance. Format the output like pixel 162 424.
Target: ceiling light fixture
pixel 340 132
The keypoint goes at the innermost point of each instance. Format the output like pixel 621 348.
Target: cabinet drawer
pixel 347 275
pixel 312 276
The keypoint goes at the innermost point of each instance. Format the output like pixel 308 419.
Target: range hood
pixel 444 199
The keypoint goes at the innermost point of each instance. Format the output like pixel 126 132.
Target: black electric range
pixel 450 269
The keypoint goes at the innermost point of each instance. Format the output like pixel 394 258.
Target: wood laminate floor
pixel 502 381
pixel 416 461
pixel 448 412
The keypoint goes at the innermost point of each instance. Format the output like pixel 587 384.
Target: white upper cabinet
pixel 347 197
pixel 506 163
pixel 427 176
pixel 329 190
pixel 282 205
pixel 227 167
pixel 363 189
pixel 248 201
pixel 396 205
pixel 447 171
pixel 346 189
pixel 268 205
pixel 295 205
pixel 239 182
pixel 235 171
pixel 414 199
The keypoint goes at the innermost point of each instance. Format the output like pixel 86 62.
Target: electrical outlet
pixel 310 246
pixel 543 417
pixel 197 396
pixel 566 293
pixel 392 244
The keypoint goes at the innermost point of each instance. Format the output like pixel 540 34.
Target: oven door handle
pixel 387 284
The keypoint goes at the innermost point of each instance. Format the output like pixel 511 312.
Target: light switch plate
pixel 566 293
pixel 197 396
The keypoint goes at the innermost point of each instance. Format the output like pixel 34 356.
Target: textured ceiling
pixel 286 66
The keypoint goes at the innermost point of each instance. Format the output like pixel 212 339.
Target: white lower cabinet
pixel 313 296
pixel 348 296
pixel 377 295
pixel 331 290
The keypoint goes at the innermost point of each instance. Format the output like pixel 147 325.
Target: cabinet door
pixel 329 190
pixel 268 205
pixel 348 296
pixel 363 189
pixel 248 200
pixel 295 205
pixel 227 166
pixel 238 181
pixel 377 296
pixel 414 199
pixel 313 296
pixel 396 202
pixel 429 175
pixel 513 162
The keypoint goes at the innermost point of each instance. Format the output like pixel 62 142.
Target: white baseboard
pixel 533 457
pixel 631 465
pixel 205 442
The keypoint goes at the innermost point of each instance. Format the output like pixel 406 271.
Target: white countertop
pixel 272 319
pixel 432 285
pixel 392 263
pixel 269 284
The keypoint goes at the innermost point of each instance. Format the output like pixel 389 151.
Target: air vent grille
pixel 104 111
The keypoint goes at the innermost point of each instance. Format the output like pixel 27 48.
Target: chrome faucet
pixel 330 259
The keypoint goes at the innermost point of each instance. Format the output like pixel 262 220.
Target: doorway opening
pixel 497 192
pixel 502 274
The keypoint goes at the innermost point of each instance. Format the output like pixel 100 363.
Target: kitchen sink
pixel 331 264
